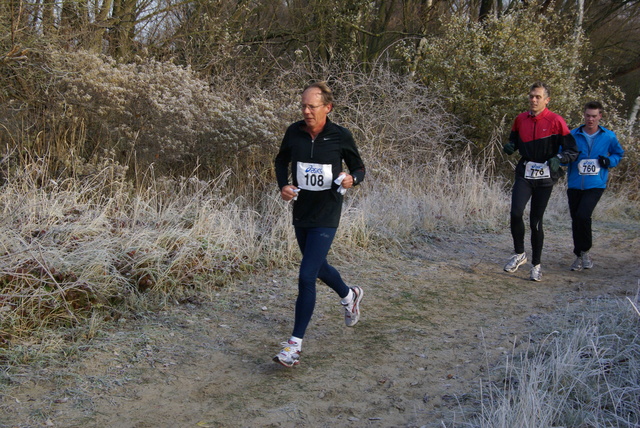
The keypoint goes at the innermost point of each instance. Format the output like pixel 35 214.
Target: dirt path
pixel 434 320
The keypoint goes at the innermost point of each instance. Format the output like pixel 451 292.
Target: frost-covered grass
pixel 82 245
pixel 95 244
pixel 586 373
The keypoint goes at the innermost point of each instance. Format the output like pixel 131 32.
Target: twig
pixel 634 306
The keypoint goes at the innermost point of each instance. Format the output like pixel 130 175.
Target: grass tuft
pixel 584 374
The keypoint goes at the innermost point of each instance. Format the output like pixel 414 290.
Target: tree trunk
pixel 579 20
pixel 485 9
pixel 123 29
pixel 99 27
pixel 48 23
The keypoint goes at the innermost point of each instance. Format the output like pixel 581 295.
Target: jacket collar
pixel 541 115
pixel 581 130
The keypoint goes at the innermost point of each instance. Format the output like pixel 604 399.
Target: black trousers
pixel 523 190
pixel 581 206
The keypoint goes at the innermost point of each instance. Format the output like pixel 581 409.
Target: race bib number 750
pixel 314 176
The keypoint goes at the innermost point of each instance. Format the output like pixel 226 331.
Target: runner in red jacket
pixel 544 142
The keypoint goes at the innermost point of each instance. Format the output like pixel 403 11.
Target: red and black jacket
pixel 539 138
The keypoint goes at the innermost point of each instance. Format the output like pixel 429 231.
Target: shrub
pixel 161 113
pixel 484 70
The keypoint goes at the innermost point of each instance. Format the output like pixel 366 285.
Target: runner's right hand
pixel 288 192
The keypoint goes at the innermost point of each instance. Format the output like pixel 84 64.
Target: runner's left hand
pixel 604 161
pixel 554 163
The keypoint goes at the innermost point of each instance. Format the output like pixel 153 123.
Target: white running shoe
pixel 289 356
pixel 586 260
pixel 352 310
pixel 515 262
pixel 536 273
pixel 577 264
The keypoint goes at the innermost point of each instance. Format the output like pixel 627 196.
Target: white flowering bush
pixel 157 112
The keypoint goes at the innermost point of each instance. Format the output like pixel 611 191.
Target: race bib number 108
pixel 314 176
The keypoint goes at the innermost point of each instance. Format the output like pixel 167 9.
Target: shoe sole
pixel 356 306
pixel 282 363
pixel 516 267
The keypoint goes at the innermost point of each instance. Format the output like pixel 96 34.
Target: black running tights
pixel 523 191
pixel 581 206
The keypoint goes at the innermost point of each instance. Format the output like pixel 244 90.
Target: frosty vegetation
pixel 132 185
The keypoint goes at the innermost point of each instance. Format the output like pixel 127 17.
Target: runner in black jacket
pixel 312 152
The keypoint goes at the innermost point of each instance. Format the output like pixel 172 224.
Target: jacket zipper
pixel 590 147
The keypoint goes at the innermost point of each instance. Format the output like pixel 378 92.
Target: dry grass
pixel 585 373
pixel 80 254
pixel 93 244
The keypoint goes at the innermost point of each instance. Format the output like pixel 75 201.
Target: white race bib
pixel 588 167
pixel 537 171
pixel 314 176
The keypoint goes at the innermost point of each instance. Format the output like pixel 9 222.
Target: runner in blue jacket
pixel 587 178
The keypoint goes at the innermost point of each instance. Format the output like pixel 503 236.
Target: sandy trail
pixel 435 319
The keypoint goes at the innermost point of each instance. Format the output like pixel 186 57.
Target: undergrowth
pixel 585 373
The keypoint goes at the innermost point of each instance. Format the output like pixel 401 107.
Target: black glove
pixel 554 163
pixel 604 161
pixel 509 148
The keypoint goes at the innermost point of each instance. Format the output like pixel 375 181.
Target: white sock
pixel 348 299
pixel 297 342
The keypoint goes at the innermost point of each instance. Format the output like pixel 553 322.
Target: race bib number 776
pixel 537 171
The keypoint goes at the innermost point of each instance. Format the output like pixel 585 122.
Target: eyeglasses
pixel 310 107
